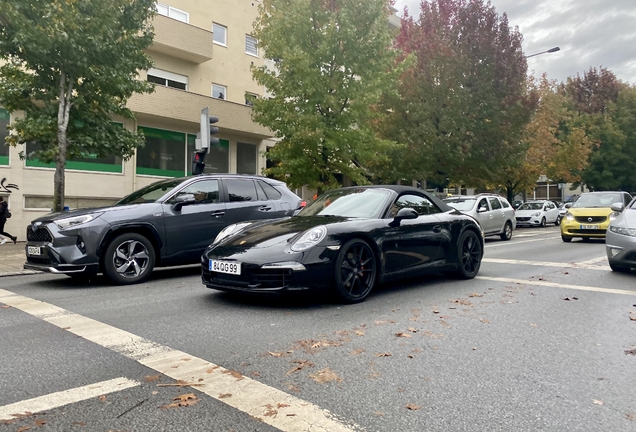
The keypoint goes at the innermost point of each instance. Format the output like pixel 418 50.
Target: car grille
pixel 587 231
pixel 38 260
pixel 251 277
pixel 630 257
pixel 586 219
pixel 523 219
pixel 40 235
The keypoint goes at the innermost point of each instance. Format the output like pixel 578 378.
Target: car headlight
pixel 309 239
pixel 73 221
pixel 230 230
pixel 614 215
pixel 624 231
pixel 569 216
pixel 537 214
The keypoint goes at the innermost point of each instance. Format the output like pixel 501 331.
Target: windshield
pixel 530 206
pixel 352 203
pixel 598 200
pixel 460 204
pixel 150 193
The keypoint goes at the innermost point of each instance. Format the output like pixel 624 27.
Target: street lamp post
pixel 551 50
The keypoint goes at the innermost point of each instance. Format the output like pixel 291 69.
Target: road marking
pixel 558 285
pixel 594 260
pixel 66 397
pixel 270 405
pixel 583 264
pixel 510 243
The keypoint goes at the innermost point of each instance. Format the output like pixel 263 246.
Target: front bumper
pixel 528 221
pixel 572 228
pixel 621 249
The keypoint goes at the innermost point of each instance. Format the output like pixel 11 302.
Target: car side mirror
pixel 568 205
pixel 404 213
pixel 482 209
pixel 618 207
pixel 182 200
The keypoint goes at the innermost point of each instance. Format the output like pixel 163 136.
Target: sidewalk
pixel 12 258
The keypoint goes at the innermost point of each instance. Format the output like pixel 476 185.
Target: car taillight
pixel 303 203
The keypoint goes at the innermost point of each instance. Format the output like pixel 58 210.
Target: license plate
pixel 594 227
pixel 225 267
pixel 34 250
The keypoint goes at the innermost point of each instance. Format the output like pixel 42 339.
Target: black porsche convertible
pixel 345 242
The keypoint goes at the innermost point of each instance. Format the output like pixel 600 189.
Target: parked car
pixel 563 208
pixel 494 213
pixel 345 242
pixel 537 213
pixel 620 239
pixel 589 216
pixel 516 203
pixel 167 223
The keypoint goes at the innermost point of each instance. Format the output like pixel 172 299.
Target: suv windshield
pixel 530 206
pixel 150 193
pixel 460 204
pixel 598 200
pixel 353 203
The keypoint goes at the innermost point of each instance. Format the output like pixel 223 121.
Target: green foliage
pixel 462 106
pixel 332 63
pixel 70 67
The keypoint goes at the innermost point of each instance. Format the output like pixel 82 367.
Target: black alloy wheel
pixel 129 259
pixel 542 223
pixel 355 271
pixel 470 252
pixel 507 232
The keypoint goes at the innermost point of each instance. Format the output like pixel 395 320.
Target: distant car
pixel 345 242
pixel 493 212
pixel 167 223
pixel 620 239
pixel 516 203
pixel 537 213
pixel 563 208
pixel 590 215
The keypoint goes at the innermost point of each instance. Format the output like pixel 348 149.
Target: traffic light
pixel 198 161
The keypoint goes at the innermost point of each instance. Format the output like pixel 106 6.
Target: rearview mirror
pixel 482 209
pixel 568 205
pixel 404 213
pixel 182 200
pixel 618 207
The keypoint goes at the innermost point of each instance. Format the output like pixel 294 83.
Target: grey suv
pixel 493 212
pixel 167 223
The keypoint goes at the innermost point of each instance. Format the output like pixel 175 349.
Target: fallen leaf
pixel 357 351
pixel 380 322
pixel 256 374
pixel 183 400
pixel 6 307
pixel 533 325
pixel 359 333
pixel 413 319
pixel 413 407
pixel 282 405
pixel 301 364
pixel 630 416
pixel 597 402
pixel 392 321
pixel 385 354
pixel 276 354
pixel 476 295
pixel 410 356
pixel 186 359
pixel 40 423
pixel 325 375
pixel 412 329
pixel 200 379
pixel 290 415
pixel 378 413
pixel 180 383
pixel 418 350
pixel 152 378
pixel 462 302
pixel 235 374
pixel 316 345
pixel 403 335
pixel 24 428
pixel 225 395
pixel 102 398
pixel 484 320
pixel 435 311
pixel 174 367
pixel 341 332
pixel 292 387
pixel 633 318
pixel 631 350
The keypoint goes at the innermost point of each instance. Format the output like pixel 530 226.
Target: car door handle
pixel 437 229
pixel 217 214
pixel 264 208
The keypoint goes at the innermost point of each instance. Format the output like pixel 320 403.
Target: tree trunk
pixel 63 111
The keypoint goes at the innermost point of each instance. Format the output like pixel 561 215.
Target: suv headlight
pixel 569 216
pixel 309 239
pixel 624 231
pixel 537 214
pixel 73 221
pixel 230 230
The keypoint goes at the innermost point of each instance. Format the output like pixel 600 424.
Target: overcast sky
pixel 590 33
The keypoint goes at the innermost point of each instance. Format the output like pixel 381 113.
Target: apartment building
pixel 202 52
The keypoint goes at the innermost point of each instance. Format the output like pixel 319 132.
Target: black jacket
pixel 4 210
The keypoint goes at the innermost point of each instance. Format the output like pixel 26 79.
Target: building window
pixel 219 91
pixel 251 47
pixel 217 160
pixel 219 34
pixel 169 11
pixel 4 149
pixel 164 153
pixel 249 98
pixel 245 158
pixel 168 79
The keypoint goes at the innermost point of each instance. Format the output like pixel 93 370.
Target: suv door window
pixel 239 190
pixel 483 203
pixel 205 192
pixel 627 199
pixel 271 192
pixel 504 203
pixel 494 203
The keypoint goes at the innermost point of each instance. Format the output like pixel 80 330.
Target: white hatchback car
pixel 537 213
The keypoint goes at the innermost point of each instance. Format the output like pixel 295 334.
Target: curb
pixel 19 273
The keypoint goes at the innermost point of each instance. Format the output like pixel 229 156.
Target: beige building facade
pixel 203 51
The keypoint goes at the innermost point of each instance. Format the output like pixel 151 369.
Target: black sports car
pixel 345 242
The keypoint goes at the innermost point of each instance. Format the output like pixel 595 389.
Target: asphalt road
pixel 541 340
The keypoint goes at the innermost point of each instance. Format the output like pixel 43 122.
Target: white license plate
pixel 225 267
pixel 590 227
pixel 34 250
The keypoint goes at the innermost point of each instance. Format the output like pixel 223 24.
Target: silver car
pixel 493 212
pixel 620 238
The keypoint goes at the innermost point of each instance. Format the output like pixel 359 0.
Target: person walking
pixel 4 215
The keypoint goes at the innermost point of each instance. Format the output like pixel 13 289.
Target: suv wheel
pixel 507 232
pixel 129 259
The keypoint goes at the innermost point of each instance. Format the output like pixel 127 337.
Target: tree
pixel 333 61
pixel 462 106
pixel 554 145
pixel 70 67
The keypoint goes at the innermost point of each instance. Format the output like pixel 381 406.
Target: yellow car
pixel 590 215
